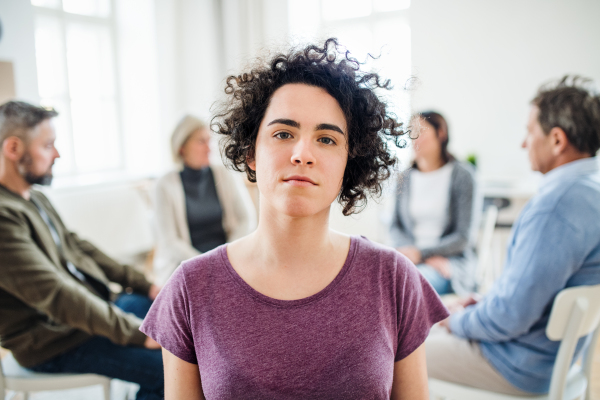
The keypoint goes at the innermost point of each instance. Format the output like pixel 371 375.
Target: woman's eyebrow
pixel 329 127
pixel 285 121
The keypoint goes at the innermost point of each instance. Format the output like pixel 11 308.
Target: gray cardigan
pixel 459 236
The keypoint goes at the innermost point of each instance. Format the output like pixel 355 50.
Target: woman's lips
pixel 299 181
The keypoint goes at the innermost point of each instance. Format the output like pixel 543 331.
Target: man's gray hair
pixel 18 118
pixel 573 105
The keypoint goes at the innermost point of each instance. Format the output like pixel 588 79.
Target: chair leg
pixel 106 389
pixel 11 395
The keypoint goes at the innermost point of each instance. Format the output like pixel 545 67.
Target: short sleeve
pixel 168 320
pixel 419 308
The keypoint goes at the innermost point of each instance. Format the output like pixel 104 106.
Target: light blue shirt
pixel 554 244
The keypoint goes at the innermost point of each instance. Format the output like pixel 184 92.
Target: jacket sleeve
pixel 29 275
pixel 398 234
pixel 124 275
pixel 242 206
pixel 168 242
pixel 546 251
pixel 463 192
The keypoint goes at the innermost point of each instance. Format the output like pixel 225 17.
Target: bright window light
pixel 76 76
pixel 344 9
pixel 94 8
pixel 46 3
pixel 390 5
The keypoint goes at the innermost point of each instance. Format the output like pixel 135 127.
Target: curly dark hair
pixel 573 105
pixel 371 127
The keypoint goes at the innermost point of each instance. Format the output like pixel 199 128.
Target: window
pixel 77 75
pixel 376 27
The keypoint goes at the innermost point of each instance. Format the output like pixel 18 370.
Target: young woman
pixel 296 310
pixel 198 206
pixel 434 221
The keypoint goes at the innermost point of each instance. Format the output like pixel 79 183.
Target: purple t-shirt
pixel 341 342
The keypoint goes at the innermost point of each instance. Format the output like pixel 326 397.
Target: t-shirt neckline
pixel 291 303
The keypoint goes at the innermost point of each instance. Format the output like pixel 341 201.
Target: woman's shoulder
pixel 463 169
pixel 222 174
pixel 199 270
pixel 379 258
pixel 168 179
pixel 220 170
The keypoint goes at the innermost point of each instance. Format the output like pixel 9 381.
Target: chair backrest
pixel 585 297
pixel 2 383
pixel 575 313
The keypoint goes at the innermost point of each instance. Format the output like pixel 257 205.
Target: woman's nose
pixel 303 154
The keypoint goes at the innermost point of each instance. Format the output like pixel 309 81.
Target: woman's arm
pixel 410 377
pixel 182 379
pixel 398 234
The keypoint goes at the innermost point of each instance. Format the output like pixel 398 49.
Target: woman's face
pixel 301 151
pixel 196 149
pixel 427 145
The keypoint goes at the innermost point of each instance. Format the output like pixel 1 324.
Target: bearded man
pixel 57 314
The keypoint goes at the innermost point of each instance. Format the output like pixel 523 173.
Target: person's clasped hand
pixel 459 305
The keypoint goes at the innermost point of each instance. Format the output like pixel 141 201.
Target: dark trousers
pixel 100 356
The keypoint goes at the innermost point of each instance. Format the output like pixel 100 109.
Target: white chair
pixel 575 313
pixel 16 378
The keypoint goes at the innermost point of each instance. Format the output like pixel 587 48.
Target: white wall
pixel 200 43
pixel 481 62
pixel 190 62
pixel 18 46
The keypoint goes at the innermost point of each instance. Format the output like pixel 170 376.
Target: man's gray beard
pixel 32 179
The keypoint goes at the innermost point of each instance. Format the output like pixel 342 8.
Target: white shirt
pixel 429 197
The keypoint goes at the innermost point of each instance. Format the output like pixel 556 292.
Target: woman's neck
pixel 289 258
pixel 429 164
pixel 292 242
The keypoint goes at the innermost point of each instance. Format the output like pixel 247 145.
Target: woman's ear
pixel 442 134
pixel 251 163
pixel 251 159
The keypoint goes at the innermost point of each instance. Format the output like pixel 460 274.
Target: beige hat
pixel 188 125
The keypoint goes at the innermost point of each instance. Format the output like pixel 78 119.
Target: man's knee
pixel 135 303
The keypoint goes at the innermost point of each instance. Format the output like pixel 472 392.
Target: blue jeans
pixel 100 356
pixel 435 279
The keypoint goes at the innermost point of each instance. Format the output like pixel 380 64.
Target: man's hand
pixel 458 306
pixel 441 265
pixel 153 292
pixel 413 254
pixel 470 300
pixel 151 344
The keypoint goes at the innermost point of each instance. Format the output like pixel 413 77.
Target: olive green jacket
pixel 44 310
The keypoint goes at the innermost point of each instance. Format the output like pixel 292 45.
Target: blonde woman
pixel 198 206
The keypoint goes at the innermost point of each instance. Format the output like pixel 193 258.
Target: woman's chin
pixel 302 209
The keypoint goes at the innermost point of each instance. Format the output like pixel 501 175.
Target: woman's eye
pixel 327 140
pixel 283 135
